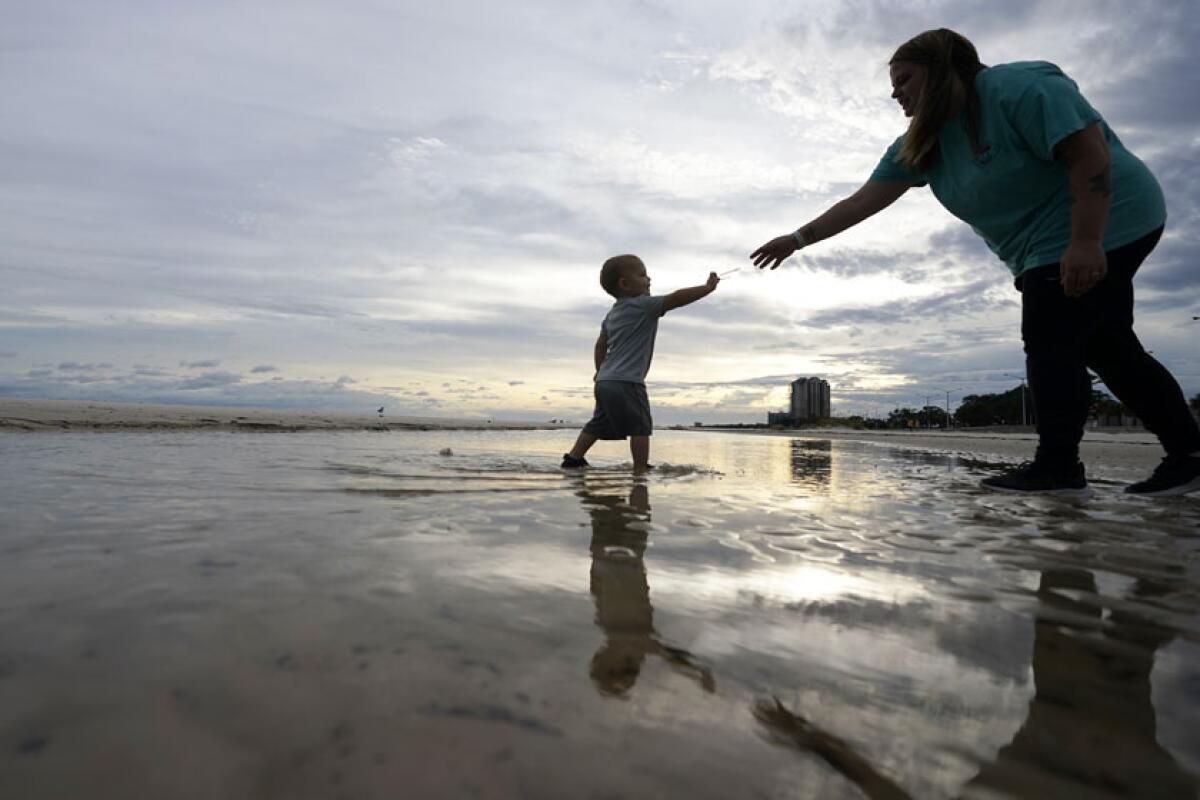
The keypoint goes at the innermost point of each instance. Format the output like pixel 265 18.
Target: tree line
pixel 1005 408
pixel 976 410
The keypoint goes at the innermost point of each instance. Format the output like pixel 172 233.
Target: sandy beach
pixel 1133 449
pixel 41 415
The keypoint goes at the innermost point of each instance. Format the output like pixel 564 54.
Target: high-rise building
pixel 810 399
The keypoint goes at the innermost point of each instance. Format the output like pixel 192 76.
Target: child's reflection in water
pixel 1091 728
pixel 622 595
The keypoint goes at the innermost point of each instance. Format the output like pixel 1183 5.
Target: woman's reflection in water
pixel 1090 729
pixel 622 594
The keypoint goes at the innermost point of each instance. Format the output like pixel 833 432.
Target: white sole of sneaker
pixel 1081 494
pixel 1174 491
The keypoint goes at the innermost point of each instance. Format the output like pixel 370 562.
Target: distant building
pixel 810 400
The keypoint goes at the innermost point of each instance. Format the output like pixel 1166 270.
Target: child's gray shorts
pixel 622 409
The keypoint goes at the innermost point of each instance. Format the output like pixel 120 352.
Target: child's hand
pixel 713 280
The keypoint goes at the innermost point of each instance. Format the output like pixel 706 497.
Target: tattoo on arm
pixel 1101 182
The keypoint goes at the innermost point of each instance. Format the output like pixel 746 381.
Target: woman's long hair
pixel 946 55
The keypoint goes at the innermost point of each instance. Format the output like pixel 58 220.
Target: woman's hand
pixel 775 251
pixel 1083 266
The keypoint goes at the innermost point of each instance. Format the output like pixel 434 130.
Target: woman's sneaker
pixel 1037 477
pixel 571 462
pixel 1174 475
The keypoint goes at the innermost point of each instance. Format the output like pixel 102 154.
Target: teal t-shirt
pixel 1014 193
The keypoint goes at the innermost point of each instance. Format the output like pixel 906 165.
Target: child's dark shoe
pixel 571 462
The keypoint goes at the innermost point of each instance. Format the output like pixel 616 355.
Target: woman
pixel 1016 151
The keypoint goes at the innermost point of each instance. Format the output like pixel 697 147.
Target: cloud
pixel 975 298
pixel 442 214
pixel 210 380
pixel 72 366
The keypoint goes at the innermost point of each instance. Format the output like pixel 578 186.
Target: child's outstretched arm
pixel 682 297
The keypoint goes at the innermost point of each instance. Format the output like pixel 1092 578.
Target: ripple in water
pixel 448 613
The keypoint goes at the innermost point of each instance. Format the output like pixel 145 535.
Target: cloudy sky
pixel 341 205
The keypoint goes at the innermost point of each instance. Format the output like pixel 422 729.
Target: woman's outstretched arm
pixel 870 199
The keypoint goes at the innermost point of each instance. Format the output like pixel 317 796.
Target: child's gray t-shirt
pixel 630 327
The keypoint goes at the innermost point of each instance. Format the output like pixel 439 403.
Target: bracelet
pixel 798 235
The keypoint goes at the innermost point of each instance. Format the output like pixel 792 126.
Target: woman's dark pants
pixel 1065 336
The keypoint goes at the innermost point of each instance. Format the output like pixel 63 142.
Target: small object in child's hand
pixel 728 272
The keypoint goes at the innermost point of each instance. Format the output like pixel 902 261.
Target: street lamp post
pixel 948 391
pixel 1021 378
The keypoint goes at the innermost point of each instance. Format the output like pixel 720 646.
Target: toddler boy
pixel 623 352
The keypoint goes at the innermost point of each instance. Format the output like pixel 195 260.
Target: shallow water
pixel 347 614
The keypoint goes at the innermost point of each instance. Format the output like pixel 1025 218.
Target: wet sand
pixel 42 415
pixel 443 614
